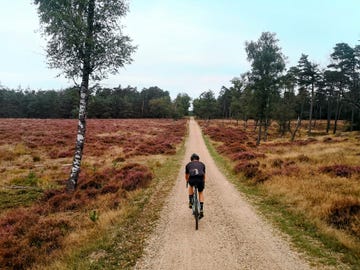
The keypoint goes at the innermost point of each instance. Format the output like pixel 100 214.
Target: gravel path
pixel 230 236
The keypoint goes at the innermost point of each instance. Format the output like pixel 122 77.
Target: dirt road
pixel 230 236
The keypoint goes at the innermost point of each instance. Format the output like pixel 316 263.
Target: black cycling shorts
pixel 197 181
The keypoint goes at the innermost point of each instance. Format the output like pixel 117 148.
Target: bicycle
pixel 196 206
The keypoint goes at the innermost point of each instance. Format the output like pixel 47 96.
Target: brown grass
pixel 318 177
pixel 35 159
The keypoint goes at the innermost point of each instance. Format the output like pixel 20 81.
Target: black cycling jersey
pixel 195 169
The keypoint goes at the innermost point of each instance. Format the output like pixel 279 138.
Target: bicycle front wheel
pixel 196 220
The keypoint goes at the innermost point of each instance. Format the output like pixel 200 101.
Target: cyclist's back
pixel 195 175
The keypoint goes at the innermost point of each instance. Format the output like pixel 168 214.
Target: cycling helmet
pixel 194 157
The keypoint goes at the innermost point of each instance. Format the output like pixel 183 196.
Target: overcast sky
pixel 186 46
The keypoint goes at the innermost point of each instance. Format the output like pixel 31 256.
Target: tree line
pixel 271 92
pixel 117 102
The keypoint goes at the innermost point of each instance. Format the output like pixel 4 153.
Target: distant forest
pixel 272 92
pixel 117 102
pixel 268 92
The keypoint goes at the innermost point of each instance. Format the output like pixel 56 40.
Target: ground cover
pixel 38 219
pixel 315 177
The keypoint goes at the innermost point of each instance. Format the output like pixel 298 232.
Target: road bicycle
pixel 196 207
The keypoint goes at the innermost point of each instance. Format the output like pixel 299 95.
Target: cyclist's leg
pixel 201 196
pixel 201 186
pixel 191 193
pixel 191 190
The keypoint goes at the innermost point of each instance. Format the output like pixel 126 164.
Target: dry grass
pixel 38 219
pixel 323 196
pixel 317 177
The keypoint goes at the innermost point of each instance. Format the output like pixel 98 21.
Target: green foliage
pixel 94 215
pixel 30 180
pixel 103 103
pixel 85 30
pixel 267 64
pixel 181 105
pixel 18 197
pixel 266 93
pixel 206 105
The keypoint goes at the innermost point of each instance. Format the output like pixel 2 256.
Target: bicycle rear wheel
pixel 196 221
pixel 197 209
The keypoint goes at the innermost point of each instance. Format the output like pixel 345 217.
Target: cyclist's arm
pixel 187 177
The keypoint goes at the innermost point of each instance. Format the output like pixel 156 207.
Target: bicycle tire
pixel 196 210
pixel 196 221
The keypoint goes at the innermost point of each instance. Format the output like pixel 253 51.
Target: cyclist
pixel 195 174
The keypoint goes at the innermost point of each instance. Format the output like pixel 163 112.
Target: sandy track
pixel 230 236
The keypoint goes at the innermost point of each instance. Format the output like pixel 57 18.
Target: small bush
pixel 36 158
pixel 249 169
pixel 137 179
pixel 110 188
pixel 345 214
pixel 260 177
pixel 340 170
pixel 47 234
pixel 277 163
pixel 244 156
pixel 133 176
pixel 303 158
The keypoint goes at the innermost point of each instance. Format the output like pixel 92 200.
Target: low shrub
pixel 303 158
pixel 277 163
pixel 249 169
pixel 244 156
pixel 110 188
pixel 340 170
pixel 134 175
pixel 345 214
pixel 24 235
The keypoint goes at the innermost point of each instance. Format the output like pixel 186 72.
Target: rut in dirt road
pixel 231 235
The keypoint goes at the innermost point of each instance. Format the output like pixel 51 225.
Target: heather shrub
pixel 303 158
pixel 229 149
pixel 260 177
pixel 156 146
pixel 46 235
pixel 57 202
pixel 90 183
pixel 247 155
pixel 277 163
pixel 110 188
pixel 15 252
pixel 243 156
pixel 345 214
pixel 340 170
pixel 25 235
pixel 134 175
pixel 249 169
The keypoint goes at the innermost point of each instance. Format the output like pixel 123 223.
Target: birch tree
pixel 85 41
pixel 268 64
